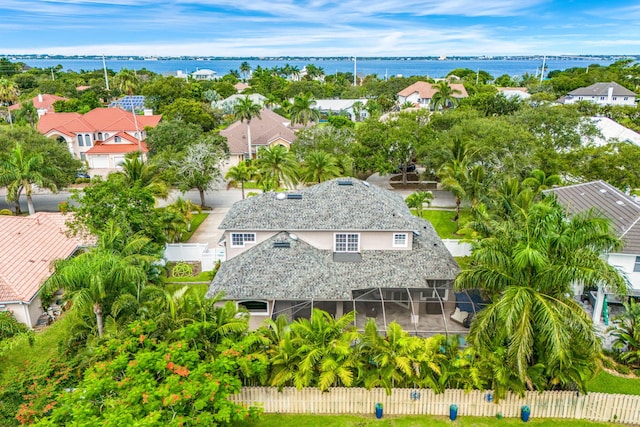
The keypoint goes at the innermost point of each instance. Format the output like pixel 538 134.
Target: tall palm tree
pixel 302 110
pixel 186 208
pixel 444 97
pixel 20 170
pixel 357 108
pixel 8 94
pixel 239 174
pixel 539 181
pixel 527 268
pixel 246 109
pixel 278 165
pixel 626 330
pixel 127 81
pixel 453 177
pixel 319 166
pixel 245 69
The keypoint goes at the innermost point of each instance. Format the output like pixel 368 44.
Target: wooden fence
pixel 551 404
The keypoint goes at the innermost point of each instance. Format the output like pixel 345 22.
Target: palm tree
pixel 324 350
pixel 245 69
pixel 626 330
pixel 8 94
pixel 20 170
pixel 527 268
pixel 418 199
pixel 444 97
pixel 539 181
pixel 185 207
pixel 357 108
pixel 145 174
pixel 302 110
pixel 127 81
pixel 319 166
pixel 246 109
pixel 27 113
pixel 241 173
pixel 278 165
pixel 453 177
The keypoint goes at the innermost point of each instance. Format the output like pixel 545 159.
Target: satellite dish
pixel 293 236
pixel 281 196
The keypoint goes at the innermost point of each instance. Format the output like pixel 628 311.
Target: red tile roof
pixel 28 246
pixel 427 90
pixel 117 148
pixel 110 120
pixel 45 104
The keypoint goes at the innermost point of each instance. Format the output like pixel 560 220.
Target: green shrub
pixel 82 180
pixel 182 269
pixel 622 369
pixel 608 363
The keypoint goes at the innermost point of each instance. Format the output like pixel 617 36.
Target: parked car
pixel 411 167
pixel 81 174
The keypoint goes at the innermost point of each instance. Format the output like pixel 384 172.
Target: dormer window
pixel 400 240
pixel 117 139
pixel 347 242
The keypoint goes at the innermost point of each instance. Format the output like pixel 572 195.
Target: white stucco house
pixel 204 74
pixel 608 93
pixel 337 106
pixel 421 93
pixel 624 213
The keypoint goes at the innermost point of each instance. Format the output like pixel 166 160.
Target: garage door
pixel 118 161
pixel 97 161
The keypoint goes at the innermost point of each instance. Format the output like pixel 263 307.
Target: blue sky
pixel 319 27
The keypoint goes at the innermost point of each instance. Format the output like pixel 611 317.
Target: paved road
pixel 45 201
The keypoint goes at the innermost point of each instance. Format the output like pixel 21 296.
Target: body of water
pixel 381 67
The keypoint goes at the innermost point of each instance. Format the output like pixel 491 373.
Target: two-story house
pixel 421 93
pixel 102 137
pixel 608 93
pixel 268 130
pixel 339 246
pixel 624 213
pixel 43 103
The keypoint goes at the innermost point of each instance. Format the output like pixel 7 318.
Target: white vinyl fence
pixel 550 404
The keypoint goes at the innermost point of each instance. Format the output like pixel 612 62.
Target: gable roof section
pixel 427 90
pixel 28 246
pixel 41 102
pixel 602 89
pixel 326 206
pixel 263 130
pixel 117 148
pixel 303 272
pixel 612 203
pixel 610 129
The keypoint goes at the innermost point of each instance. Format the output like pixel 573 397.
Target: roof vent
pixel 281 244
pixel 345 182
pixel 294 196
pixel 366 184
pixel 281 196
pixel 602 190
pixel 293 236
pixel 620 202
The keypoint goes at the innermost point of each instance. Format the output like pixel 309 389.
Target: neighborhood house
pixel 339 246
pixel 421 93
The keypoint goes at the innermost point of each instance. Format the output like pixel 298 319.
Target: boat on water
pixel 150 58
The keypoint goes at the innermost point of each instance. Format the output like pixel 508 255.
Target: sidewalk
pixel 208 231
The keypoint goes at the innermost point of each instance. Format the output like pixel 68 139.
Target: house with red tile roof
pixel 102 137
pixel 268 130
pixel 28 246
pixel 421 93
pixel 43 103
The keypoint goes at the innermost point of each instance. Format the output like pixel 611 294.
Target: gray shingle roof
pixel 264 130
pixel 303 272
pixel 602 89
pixel 612 203
pixel 325 206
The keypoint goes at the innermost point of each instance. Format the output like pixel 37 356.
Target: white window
pixel 255 307
pixel 400 240
pixel 347 242
pixel 116 139
pixel 626 98
pixel 87 140
pixel 239 239
pixel 80 141
pixel 636 266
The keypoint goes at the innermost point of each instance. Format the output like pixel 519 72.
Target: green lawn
pixel 605 382
pixel 204 276
pixel 281 420
pixel 195 223
pixel 172 287
pixel 442 221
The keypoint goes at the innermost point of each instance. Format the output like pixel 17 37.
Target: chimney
pixel 39 97
pixel 610 94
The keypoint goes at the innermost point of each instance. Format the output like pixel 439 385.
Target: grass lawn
pixel 294 420
pixel 442 221
pixel 204 276
pixel 172 287
pixel 605 382
pixel 195 223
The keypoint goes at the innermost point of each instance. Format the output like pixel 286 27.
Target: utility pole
pixel 544 60
pixel 106 78
pixel 354 71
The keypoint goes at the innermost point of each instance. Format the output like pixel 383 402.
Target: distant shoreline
pixel 635 57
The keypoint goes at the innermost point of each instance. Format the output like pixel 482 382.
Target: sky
pixel 321 28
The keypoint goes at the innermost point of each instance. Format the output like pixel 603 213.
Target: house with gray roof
pixel 341 245
pixel 624 213
pixel 608 93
